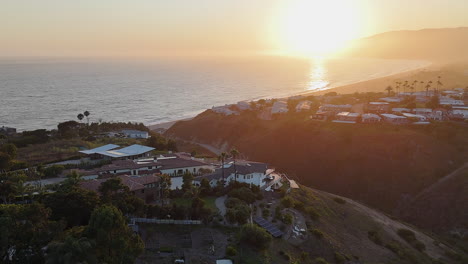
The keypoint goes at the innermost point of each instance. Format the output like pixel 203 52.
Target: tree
pixel 74 206
pixel 87 113
pixel 428 86
pixel 255 236
pixel 234 154
pixel 222 157
pixel 165 186
pixel 10 149
pixel 434 102
pixel 5 161
pixel 68 129
pixel 71 250
pixel 115 241
pixel 205 187
pixel 80 116
pixel 187 180
pixel 73 180
pixel 389 89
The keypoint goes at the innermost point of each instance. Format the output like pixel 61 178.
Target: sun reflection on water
pixel 318 76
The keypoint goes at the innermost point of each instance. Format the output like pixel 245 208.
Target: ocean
pixel 40 93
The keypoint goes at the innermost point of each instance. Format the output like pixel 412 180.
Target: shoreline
pixel 371 85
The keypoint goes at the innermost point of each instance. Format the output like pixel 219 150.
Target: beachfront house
pixel 444 100
pixel 255 173
pixel 391 99
pixel 7 131
pixel 400 110
pixel 378 107
pixel 224 110
pixel 279 107
pixel 394 119
pixel 347 117
pixel 335 109
pixel 370 118
pixel 422 111
pixel 303 106
pixel 135 133
pixel 243 105
pixel 415 118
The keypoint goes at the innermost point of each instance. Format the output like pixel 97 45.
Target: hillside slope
pixel 343 230
pixel 380 165
pixel 441 45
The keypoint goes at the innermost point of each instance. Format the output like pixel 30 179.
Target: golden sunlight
pixel 317 27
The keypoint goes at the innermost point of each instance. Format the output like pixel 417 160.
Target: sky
pixel 162 27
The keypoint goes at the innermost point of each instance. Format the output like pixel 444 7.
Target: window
pixel 180 171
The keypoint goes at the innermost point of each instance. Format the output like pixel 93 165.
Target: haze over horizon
pixel 150 28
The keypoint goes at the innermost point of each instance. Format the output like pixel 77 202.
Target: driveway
pixel 220 205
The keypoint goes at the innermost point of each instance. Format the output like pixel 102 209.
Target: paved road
pixel 220 204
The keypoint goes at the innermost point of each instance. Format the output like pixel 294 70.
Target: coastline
pixel 371 85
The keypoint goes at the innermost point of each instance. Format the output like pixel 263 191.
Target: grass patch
pixel 339 200
pixel 374 236
pixel 182 202
pixel 210 203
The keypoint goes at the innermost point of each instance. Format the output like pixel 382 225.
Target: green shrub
pixel 287 219
pixel 374 236
pixel 313 213
pixel 231 251
pixel 340 258
pixel 317 232
pixel 265 213
pixel 410 237
pixel 255 236
pixel 339 200
pixel 287 202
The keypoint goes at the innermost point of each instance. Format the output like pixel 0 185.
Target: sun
pixel 317 27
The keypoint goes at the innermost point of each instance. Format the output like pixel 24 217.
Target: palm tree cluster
pixel 406 85
pixel 86 114
pixel 233 153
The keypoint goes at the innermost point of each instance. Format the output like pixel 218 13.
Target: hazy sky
pixel 152 27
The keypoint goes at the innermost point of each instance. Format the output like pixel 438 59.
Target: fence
pixel 166 221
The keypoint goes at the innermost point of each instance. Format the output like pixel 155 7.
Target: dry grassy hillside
pixel 379 165
pixel 441 45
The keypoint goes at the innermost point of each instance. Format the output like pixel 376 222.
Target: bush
pixel 244 194
pixel 340 258
pixel 313 213
pixel 287 219
pixel 374 236
pixel 232 202
pixel 339 200
pixel 265 213
pixel 410 237
pixel 317 233
pixel 287 202
pixel 255 236
pixel 231 251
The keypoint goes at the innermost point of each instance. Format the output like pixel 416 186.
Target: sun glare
pixel 317 27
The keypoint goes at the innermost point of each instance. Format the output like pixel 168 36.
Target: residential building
pixel 400 110
pixel 370 118
pixel 224 110
pixel 144 187
pixel 243 105
pixel 422 111
pixel 110 151
pixel 279 107
pixel 394 119
pixel 378 107
pixel 8 131
pixel 415 118
pixel 243 171
pixel 135 134
pixel 335 108
pixel 347 117
pixel 303 106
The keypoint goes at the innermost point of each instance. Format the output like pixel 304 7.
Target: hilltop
pixel 437 45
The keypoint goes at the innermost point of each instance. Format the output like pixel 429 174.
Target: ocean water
pixel 40 93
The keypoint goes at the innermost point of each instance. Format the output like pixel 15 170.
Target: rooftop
pixel 100 149
pixel 132 150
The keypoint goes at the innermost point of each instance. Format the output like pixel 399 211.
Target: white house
pixel 346 117
pixel 303 106
pixel 400 110
pixel 370 118
pixel 394 119
pixel 422 111
pixel 243 105
pixel 224 110
pixel 416 118
pixel 279 107
pixel 243 171
pixel 135 133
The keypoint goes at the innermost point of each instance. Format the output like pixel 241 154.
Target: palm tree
pixel 234 154
pixel 222 157
pixel 80 116
pixel 422 85
pixel 87 113
pixel 389 89
pixel 428 86
pixel 412 89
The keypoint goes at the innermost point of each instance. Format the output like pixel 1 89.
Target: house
pixel 243 105
pixel 459 114
pixel 450 101
pixel 391 99
pixel 135 134
pixel 322 116
pixel 110 151
pixel 440 114
pixel 224 110
pixel 378 107
pixel 335 108
pixel 370 118
pixel 144 187
pixel 401 110
pixel 415 118
pixel 347 117
pixel 243 171
pixel 303 106
pixel 7 131
pixel 394 119
pixel 279 107
pixel 422 111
